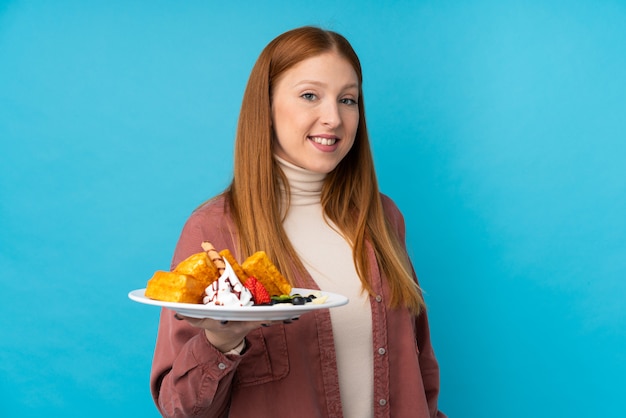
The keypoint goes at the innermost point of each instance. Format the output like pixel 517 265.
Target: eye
pixel 309 96
pixel 348 101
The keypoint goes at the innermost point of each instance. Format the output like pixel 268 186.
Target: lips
pixel 323 140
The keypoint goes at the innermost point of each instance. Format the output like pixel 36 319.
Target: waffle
pixel 228 256
pixel 260 266
pixel 186 283
pixel 175 287
pixel 200 267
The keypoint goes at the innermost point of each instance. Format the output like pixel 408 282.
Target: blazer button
pixel 382 402
pixel 379 298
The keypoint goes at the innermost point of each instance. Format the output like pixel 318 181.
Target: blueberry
pixel 298 300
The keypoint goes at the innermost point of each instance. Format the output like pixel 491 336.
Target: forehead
pixel 326 68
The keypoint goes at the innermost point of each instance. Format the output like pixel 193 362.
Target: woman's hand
pixel 224 335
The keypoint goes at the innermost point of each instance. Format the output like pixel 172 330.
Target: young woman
pixel 304 191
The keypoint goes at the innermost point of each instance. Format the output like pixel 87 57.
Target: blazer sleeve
pixel 189 376
pixel 429 366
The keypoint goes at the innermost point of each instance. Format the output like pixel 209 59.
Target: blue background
pixel 498 127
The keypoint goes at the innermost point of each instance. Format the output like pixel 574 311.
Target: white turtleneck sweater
pixel 328 258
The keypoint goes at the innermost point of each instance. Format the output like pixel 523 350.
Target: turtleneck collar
pixel 305 186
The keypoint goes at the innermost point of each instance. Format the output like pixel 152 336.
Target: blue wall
pixel 498 127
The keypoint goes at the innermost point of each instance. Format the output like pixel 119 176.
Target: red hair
pixel 350 195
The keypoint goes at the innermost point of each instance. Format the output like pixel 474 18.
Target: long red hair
pixel 350 195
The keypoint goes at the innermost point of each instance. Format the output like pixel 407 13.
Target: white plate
pixel 276 312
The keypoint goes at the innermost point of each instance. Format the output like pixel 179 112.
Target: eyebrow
pixel 319 83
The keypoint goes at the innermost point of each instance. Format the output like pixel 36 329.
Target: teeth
pixel 323 141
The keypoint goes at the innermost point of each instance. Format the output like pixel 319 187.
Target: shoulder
pixel 389 205
pixel 213 210
pixel 393 215
pixel 211 218
pixel 392 212
pixel 209 222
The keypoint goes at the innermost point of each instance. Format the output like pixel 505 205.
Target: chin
pixel 321 169
pixel 315 165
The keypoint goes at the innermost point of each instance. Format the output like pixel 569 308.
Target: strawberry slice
pixel 259 293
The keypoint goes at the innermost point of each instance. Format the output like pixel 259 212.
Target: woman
pixel 304 190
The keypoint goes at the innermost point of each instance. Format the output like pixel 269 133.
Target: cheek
pixel 283 120
pixel 354 125
pixel 350 145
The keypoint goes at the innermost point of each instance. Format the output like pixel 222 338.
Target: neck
pixel 305 186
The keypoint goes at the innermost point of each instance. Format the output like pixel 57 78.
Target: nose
pixel 329 114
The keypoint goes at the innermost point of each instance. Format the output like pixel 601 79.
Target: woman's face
pixel 315 112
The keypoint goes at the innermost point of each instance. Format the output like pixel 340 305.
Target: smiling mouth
pixel 323 141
